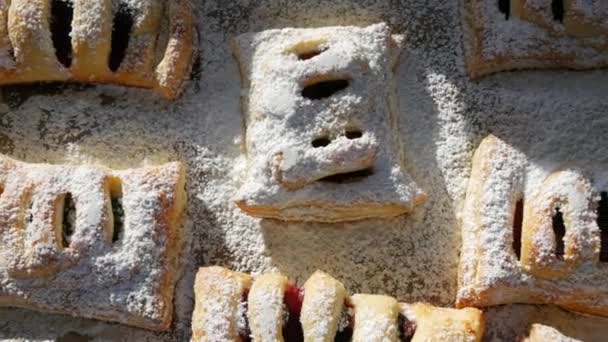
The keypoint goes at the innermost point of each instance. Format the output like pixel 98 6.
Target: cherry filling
pixel 293 299
pixel 407 329
pixel 242 324
pixel 345 325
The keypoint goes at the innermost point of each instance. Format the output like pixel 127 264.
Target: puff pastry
pixel 323 310
pixel 557 258
pixel 553 324
pixel 320 118
pixel 142 43
pixel 526 34
pixel 91 242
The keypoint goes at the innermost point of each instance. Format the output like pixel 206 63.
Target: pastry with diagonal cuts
pixel 532 233
pixel 232 306
pixel 528 34
pixel 91 242
pixel 321 130
pixel 141 43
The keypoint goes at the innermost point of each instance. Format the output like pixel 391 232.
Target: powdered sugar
pixel 442 116
pixel 285 164
pixel 129 280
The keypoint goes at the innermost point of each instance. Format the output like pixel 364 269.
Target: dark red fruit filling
pixel 345 325
pixel 244 331
pixel 407 329
pixel 293 299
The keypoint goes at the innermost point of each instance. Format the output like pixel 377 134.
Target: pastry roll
pixel 91 242
pixel 266 309
pixel 320 113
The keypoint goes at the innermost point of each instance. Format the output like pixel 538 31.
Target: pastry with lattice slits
pixel 321 125
pixel 91 242
pixel 140 43
pixel 533 231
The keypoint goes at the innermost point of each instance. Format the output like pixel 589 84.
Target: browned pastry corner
pixel 532 34
pixel 230 306
pixel 531 234
pixel 554 324
pixel 91 242
pixel 321 136
pixel 142 43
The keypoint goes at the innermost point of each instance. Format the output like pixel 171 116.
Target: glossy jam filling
pixel 293 299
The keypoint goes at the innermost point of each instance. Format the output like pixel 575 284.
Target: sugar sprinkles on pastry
pixel 91 242
pixel 532 233
pixel 143 43
pixel 233 306
pixel 321 132
pixel 532 34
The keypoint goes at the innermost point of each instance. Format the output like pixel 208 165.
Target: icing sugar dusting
pixel 442 117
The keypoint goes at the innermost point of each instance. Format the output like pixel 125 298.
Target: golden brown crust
pixel 326 211
pixel 218 294
pixel 151 60
pixel 173 69
pixel 554 324
pixel 91 50
pixel 443 324
pixel 28 29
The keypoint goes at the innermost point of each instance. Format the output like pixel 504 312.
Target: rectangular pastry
pixel 148 43
pixel 229 306
pixel 532 234
pixel 525 34
pixel 321 130
pixel 91 242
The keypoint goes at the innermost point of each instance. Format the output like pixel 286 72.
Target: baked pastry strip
pixel 30 36
pixel 266 309
pixel 91 40
pixel 555 324
pixel 62 227
pixel 375 318
pixel 322 307
pixel 327 313
pixel 176 62
pixel 219 310
pixel 443 324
